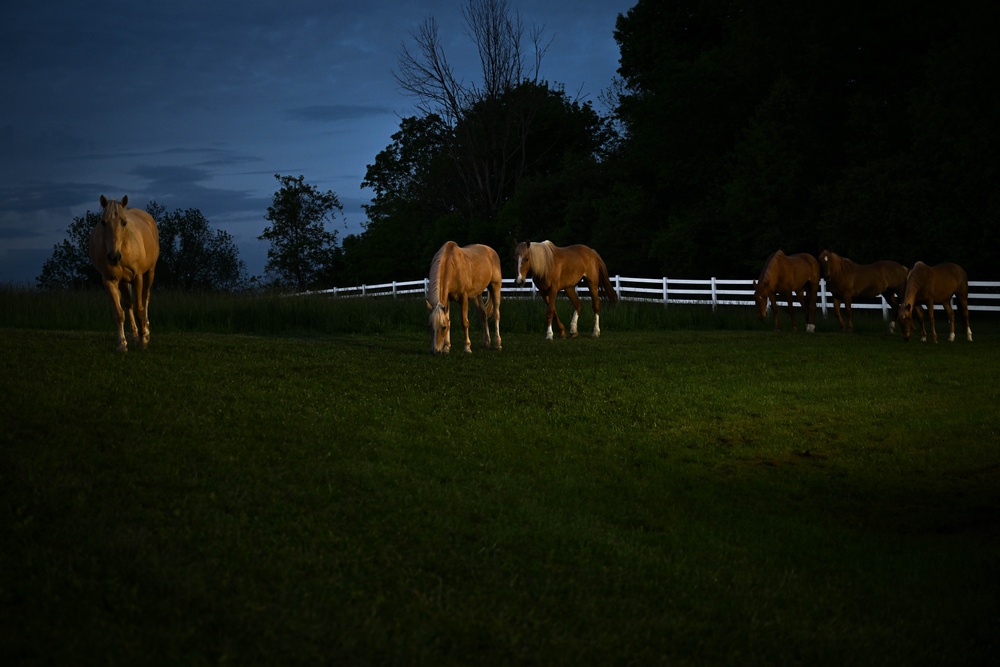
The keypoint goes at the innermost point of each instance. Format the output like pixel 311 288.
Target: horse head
pixel 113 221
pixel 826 259
pixel 760 298
pixel 522 257
pixel 905 318
pixel 439 324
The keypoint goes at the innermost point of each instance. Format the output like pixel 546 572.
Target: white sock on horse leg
pixel 597 325
pixel 572 323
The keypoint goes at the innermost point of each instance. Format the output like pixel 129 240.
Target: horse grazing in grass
pixel 458 274
pixel 788 274
pixel 553 268
pixel 848 280
pixel 931 284
pixel 124 247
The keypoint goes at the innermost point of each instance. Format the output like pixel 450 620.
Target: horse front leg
pixel 465 323
pixel 850 314
pixel 836 311
pixel 550 315
pixel 791 308
pixel 930 316
pixel 773 296
pixel 111 286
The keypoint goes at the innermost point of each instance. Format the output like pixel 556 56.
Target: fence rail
pixel 983 295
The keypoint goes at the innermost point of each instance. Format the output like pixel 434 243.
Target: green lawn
pixel 715 496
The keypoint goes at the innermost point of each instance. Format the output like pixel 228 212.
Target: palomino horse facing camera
pixel 459 274
pixel 553 268
pixel 934 284
pixel 786 274
pixel 124 247
pixel 847 280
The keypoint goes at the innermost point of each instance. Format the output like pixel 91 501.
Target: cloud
pixel 333 113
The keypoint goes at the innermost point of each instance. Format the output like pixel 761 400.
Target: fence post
pixel 393 289
pixel 822 291
pixel 427 289
pixel 618 284
pixel 665 299
pixel 715 298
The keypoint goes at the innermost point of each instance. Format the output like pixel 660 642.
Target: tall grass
pixel 273 314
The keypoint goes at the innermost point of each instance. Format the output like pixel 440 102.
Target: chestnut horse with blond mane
pixel 124 247
pixel 929 285
pixel 847 280
pixel 459 274
pixel 553 268
pixel 785 275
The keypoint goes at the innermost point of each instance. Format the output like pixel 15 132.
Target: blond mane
pixel 540 255
pixel 437 267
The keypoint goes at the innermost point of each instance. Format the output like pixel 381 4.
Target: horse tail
pixel 605 282
pixel 489 305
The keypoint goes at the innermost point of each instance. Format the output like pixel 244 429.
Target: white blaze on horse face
pixel 520 278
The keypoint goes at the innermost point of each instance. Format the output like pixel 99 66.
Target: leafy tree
pixel 70 266
pixel 194 258
pixel 303 254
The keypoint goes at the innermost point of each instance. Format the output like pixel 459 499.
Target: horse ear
pixel 104 201
pixel 124 201
pixel 429 306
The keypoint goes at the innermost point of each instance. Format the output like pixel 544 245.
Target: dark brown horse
pixel 786 275
pixel 459 274
pixel 934 284
pixel 553 268
pixel 124 247
pixel 848 280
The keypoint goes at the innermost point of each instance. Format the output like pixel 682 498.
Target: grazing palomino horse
pixel 848 280
pixel 124 247
pixel 553 268
pixel 928 285
pixel 786 274
pixel 458 274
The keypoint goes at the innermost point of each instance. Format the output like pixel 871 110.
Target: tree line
pixel 734 128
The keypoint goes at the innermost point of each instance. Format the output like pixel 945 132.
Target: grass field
pixel 304 484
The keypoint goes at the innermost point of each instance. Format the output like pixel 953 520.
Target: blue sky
pixel 200 104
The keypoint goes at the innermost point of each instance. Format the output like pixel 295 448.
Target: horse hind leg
pixel 494 312
pixel 481 306
pixel 575 300
pixel 963 304
pixel 595 300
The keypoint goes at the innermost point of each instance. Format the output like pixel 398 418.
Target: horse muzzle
pixel 114 258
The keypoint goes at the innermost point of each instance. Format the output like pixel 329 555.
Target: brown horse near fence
pixel 459 274
pixel 786 275
pixel 847 280
pixel 124 247
pixel 934 284
pixel 555 268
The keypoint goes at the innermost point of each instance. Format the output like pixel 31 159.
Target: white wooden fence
pixel 983 295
